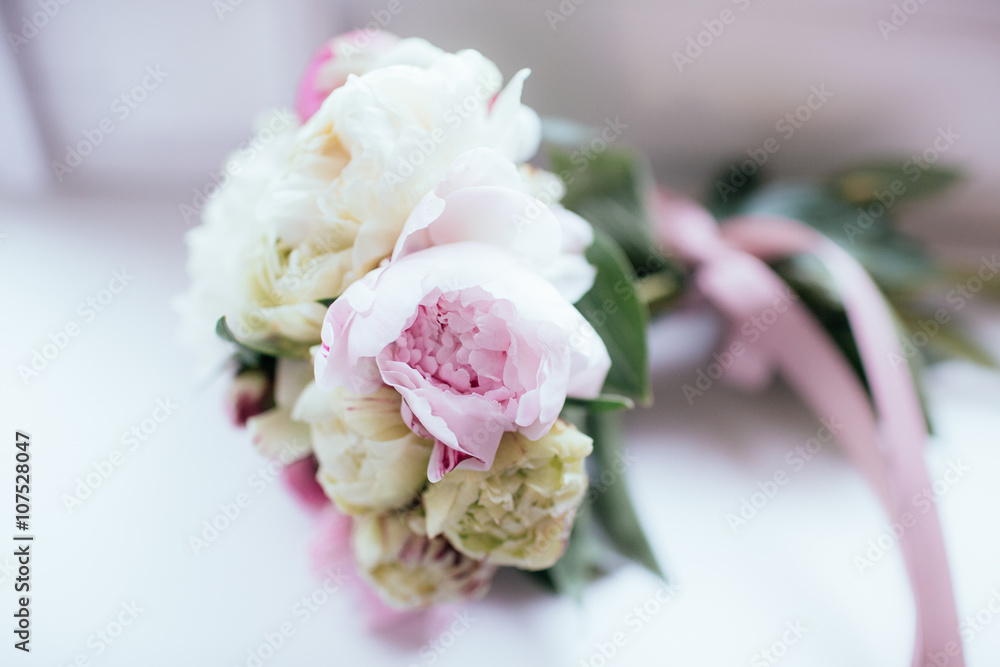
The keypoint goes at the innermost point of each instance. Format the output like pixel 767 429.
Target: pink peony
pixel 469 332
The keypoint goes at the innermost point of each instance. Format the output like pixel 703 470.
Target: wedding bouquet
pixel 399 285
pixel 436 338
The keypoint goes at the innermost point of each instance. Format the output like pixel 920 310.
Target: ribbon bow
pixel 885 436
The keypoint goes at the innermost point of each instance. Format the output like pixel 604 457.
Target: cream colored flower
pixel 520 511
pixel 230 236
pixel 361 164
pixel 410 570
pixel 305 218
pixel 369 461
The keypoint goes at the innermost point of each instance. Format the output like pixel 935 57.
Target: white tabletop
pixel 791 567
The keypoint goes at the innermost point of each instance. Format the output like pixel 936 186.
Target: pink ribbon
pixel 884 436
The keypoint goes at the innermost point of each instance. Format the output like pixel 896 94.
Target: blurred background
pixel 891 86
pixel 116 117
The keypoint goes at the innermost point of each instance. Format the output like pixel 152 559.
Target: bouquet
pixel 436 339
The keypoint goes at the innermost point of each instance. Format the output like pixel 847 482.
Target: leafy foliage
pixel 614 309
pixel 904 180
pixel 855 208
pixel 610 191
pixel 612 502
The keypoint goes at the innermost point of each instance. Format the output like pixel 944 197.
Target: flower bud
pixel 410 570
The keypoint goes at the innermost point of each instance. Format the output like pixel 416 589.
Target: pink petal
pixel 300 478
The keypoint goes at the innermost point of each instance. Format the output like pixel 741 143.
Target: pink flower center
pixel 460 347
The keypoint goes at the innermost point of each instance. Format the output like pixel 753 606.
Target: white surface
pixel 693 464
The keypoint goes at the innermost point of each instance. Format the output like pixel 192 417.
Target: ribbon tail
pixel 886 443
pixel 816 369
pixel 904 437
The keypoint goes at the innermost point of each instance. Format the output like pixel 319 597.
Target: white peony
pixel 369 460
pixel 361 164
pixel 410 570
pixel 520 511
pixel 320 207
pixel 230 236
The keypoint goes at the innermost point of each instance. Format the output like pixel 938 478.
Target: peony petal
pixel 553 351
pixel 275 435
pixel 483 198
pixel 521 138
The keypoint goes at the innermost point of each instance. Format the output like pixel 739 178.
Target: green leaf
pixel 948 340
pixel 247 359
pixel 274 347
pixel 956 275
pixel 896 262
pixel 730 188
pixel 625 224
pixel 326 302
pixel 603 403
pixel 902 181
pixel 807 277
pixel 609 190
pixel 917 365
pixel 819 208
pixel 615 310
pixel 612 504
pixel 616 174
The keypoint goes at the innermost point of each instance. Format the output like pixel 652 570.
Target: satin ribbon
pixel 883 436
